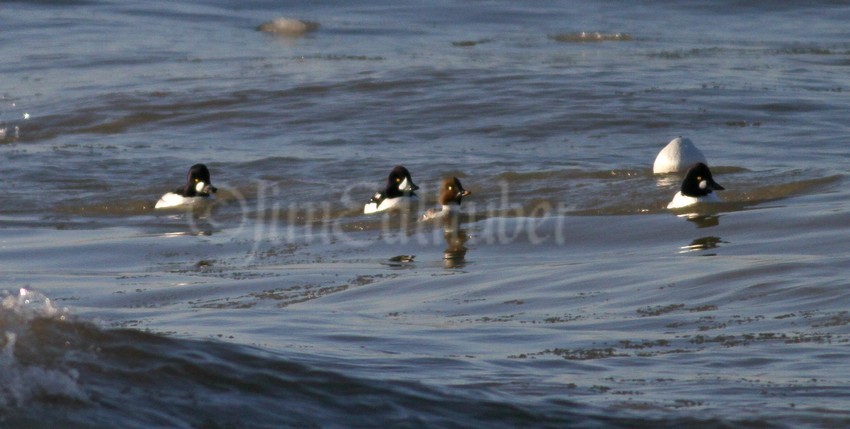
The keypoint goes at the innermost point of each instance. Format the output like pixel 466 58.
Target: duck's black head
pixel 198 182
pixel 698 182
pixel 400 183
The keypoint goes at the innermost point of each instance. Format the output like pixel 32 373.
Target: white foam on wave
pixel 28 305
pixel 590 36
pixel 5 132
pixel 21 383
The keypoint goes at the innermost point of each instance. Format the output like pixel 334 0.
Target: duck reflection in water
pixel 703 221
pixel 702 243
pixel 455 254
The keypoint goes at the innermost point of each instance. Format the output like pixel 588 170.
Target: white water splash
pixel 20 383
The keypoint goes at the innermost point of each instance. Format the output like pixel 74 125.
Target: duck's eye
pixel 397 180
pixel 450 187
pixel 197 180
pixel 699 177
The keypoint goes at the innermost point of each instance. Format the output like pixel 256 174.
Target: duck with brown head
pixel 451 195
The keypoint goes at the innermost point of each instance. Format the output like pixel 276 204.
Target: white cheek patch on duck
pixel 703 184
pixel 404 185
pixel 199 187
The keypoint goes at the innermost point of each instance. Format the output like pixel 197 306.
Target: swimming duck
pixel 451 194
pixel 697 187
pixel 288 27
pixel 398 194
pixel 198 187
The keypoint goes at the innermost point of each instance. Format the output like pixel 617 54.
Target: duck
pixel 677 156
pixel 291 27
pixel 398 194
pixel 198 187
pixel 698 186
pixel 451 195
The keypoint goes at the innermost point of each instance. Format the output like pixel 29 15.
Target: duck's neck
pixel 451 207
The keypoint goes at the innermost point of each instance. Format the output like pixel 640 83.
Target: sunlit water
pixel 566 296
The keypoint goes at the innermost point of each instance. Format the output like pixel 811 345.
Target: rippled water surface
pixel 567 295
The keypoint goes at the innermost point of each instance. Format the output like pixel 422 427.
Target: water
pixel 568 296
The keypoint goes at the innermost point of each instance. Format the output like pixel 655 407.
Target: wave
pixel 72 373
pixel 58 370
pixel 742 50
pixel 26 374
pixel 590 36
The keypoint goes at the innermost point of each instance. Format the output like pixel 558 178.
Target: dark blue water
pixel 568 295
